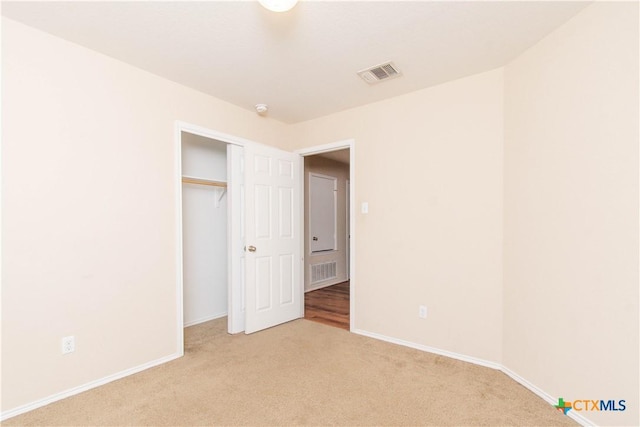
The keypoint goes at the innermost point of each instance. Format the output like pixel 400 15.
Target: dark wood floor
pixel 329 305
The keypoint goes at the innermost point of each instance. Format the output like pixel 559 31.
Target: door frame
pixel 326 148
pixel 180 127
pixel 348 203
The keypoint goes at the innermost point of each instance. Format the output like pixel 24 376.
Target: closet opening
pixel 204 229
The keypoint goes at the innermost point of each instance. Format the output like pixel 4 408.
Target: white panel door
pixel 322 212
pixel 273 244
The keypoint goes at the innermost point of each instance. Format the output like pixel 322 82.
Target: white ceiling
pixel 302 63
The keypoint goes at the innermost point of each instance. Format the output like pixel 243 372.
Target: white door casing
pixel 348 224
pixel 236 238
pixel 273 241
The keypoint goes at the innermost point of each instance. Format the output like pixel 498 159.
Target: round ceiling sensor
pixel 261 108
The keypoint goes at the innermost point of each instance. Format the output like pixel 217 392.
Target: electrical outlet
pixel 68 344
pixel 422 311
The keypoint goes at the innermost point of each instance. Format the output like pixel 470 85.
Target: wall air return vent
pixel 323 271
pixel 379 73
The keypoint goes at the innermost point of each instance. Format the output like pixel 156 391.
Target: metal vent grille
pixel 379 73
pixel 322 272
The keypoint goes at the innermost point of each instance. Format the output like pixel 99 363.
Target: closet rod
pixel 190 180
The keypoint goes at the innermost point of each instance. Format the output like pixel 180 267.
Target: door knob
pixel 251 248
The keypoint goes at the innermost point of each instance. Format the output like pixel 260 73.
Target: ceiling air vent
pixel 379 73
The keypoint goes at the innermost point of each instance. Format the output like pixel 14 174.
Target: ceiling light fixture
pixel 278 5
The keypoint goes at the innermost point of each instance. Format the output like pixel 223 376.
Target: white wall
pixel 430 165
pixel 204 225
pixel 340 171
pixel 571 211
pixel 89 211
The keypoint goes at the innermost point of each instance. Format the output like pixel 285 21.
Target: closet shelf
pixel 221 187
pixel 202 181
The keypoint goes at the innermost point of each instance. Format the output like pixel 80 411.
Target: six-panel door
pixel 273 210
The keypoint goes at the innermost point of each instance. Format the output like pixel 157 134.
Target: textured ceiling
pixel 302 63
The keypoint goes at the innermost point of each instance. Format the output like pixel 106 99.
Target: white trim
pixel 212 134
pixel 458 356
pixel 179 267
pixel 321 253
pixel 235 239
pixel 88 386
pixel 352 233
pixel 348 222
pixel 325 148
pixel 205 319
pixel 545 396
pixel 303 271
pixel 326 284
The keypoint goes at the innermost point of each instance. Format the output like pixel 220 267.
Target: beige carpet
pixel 302 373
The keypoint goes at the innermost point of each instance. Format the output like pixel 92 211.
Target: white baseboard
pixel 476 361
pixel 326 284
pixel 464 358
pixel 546 396
pixel 88 386
pixel 204 319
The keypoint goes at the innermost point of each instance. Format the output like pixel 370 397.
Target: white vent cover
pixel 322 272
pixel 379 73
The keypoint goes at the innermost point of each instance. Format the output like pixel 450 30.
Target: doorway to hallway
pixel 327 240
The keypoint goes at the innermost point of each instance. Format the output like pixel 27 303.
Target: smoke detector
pixel 379 73
pixel 262 109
